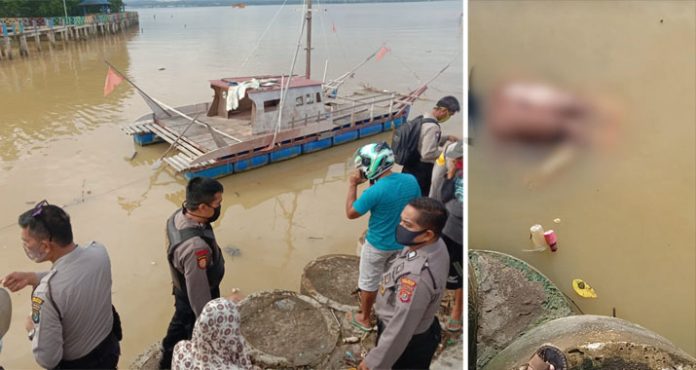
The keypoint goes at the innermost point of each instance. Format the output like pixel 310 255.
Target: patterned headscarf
pixel 217 341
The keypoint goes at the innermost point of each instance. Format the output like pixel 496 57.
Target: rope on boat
pixel 287 84
pixel 326 40
pixel 340 43
pixel 258 42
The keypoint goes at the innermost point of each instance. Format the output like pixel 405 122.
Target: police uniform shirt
pixel 71 306
pixel 191 258
pixel 408 299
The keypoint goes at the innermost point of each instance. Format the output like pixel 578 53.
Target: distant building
pixel 95 6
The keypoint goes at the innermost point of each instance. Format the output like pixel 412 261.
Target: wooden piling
pixel 37 40
pixel 23 47
pixel 7 49
pixel 51 37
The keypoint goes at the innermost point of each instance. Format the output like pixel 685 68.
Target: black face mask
pixel 211 219
pixel 216 214
pixel 405 236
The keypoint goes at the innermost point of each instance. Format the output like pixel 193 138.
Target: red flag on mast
pixel 382 52
pixel 112 80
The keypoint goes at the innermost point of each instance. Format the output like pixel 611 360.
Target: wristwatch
pixel 31 333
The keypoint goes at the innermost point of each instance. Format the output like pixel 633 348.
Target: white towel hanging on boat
pixel 237 92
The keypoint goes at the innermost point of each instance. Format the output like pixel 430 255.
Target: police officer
pixel 73 324
pixel 195 259
pixel 408 332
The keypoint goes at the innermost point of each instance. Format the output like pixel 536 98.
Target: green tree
pixel 116 6
pixel 38 8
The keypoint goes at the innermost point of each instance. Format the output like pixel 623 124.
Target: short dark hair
pixel 201 190
pixel 432 214
pixel 450 103
pixel 46 221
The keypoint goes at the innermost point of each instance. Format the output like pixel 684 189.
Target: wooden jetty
pixel 21 32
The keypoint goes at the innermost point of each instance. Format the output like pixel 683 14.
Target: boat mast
pixel 309 39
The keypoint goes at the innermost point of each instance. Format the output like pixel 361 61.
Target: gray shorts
pixel 373 264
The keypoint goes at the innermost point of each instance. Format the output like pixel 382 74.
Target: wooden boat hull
pixel 286 151
pixel 251 155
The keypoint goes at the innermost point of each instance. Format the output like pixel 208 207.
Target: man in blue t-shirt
pixel 386 197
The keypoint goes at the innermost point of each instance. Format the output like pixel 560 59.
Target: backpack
pixel 405 140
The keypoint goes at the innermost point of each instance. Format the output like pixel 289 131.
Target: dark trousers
pixel 420 349
pixel 455 279
pixel 104 356
pixel 423 172
pixel 180 328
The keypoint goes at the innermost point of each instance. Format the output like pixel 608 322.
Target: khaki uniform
pixel 197 268
pixel 197 261
pixel 407 301
pixel 71 306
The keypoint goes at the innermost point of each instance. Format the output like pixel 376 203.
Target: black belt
pixel 110 343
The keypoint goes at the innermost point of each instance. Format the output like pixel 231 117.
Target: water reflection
pixel 57 93
pixel 627 208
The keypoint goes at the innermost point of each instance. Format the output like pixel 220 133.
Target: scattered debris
pixel 351 340
pixel 537 235
pixel 583 289
pixel 315 238
pixel 285 304
pixel 556 220
pixel 542 249
pixel 551 240
pixel 232 251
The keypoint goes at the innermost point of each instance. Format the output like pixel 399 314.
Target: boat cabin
pixel 257 100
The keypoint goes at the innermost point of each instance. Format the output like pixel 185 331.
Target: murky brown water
pixel 60 140
pixel 628 212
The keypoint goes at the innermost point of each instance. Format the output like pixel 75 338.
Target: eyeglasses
pixel 36 213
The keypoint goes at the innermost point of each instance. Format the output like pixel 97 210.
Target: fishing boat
pixel 253 121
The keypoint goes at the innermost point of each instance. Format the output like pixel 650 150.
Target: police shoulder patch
pixel 408 282
pixel 405 295
pixel 36 303
pixel 202 258
pixel 407 287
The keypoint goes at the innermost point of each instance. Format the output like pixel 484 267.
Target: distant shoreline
pixel 139 4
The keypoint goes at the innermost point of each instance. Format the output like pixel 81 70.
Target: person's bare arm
pixel 353 181
pixel 17 280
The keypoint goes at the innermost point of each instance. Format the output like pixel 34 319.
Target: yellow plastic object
pixel 583 289
pixel 441 160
